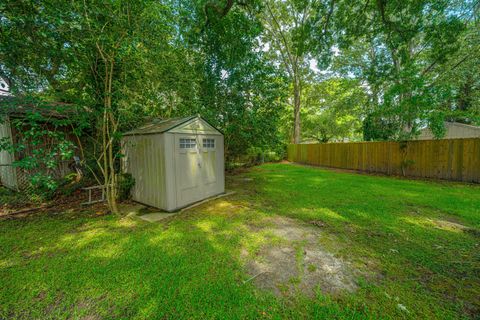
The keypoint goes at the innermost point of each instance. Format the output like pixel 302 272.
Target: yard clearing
pixel 293 242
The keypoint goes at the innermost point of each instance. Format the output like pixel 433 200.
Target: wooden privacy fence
pixel 451 159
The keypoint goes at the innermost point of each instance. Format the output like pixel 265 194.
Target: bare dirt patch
pixel 455 226
pixel 299 262
pixel 449 225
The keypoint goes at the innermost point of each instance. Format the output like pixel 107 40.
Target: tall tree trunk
pixel 111 187
pixel 109 129
pixel 296 109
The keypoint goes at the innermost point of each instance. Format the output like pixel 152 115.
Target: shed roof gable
pixel 192 124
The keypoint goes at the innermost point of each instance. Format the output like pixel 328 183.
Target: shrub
pixel 125 185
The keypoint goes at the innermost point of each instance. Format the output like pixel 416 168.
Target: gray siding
pixel 170 181
pixel 170 177
pixel 454 131
pixel 144 159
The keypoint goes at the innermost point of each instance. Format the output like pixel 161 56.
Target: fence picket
pixel 451 159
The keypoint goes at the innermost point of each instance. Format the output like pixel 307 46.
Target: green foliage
pixel 378 127
pixel 41 141
pixel 246 66
pixel 333 110
pixel 125 184
pixel 296 32
pixel 255 156
pixel 403 50
pixel 166 64
pixel 241 92
pixel 70 184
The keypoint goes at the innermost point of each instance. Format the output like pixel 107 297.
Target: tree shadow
pixel 396 224
pixel 187 267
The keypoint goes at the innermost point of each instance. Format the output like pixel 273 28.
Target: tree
pixel 395 47
pixel 104 49
pixel 241 92
pixel 127 61
pixel 293 30
pixel 458 81
pixel 333 110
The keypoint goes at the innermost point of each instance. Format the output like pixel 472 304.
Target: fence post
pixel 452 159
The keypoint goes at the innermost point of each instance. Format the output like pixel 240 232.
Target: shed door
pixel 209 147
pixel 188 174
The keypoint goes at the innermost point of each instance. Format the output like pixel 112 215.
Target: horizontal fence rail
pixel 450 159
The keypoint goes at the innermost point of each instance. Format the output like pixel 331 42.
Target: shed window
pixel 186 143
pixel 209 143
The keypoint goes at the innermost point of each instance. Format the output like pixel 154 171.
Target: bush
pixel 69 184
pixel 125 185
pixel 254 156
pixel 42 186
pixel 272 156
pixel 12 199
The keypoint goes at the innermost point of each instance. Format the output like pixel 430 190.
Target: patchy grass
pixel 414 243
pixel 10 199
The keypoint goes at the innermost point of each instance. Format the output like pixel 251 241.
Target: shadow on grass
pixel 186 267
pixel 110 268
pixel 390 224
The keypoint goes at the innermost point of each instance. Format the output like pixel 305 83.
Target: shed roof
pixel 464 125
pixel 14 106
pixel 163 125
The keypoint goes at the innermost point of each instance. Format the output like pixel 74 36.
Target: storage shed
pixel 174 162
pixel 14 110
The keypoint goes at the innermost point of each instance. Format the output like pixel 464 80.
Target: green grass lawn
pixel 416 243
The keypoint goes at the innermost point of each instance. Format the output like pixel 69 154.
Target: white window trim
pixel 208 143
pixel 187 143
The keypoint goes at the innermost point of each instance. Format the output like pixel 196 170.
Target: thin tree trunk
pixel 296 110
pixel 109 127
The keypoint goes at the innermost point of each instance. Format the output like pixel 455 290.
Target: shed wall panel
pixel 144 160
pixel 170 182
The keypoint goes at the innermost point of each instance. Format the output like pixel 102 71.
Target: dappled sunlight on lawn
pixel 96 233
pixel 205 225
pixel 435 224
pixel 419 221
pixel 394 222
pixel 164 235
pixel 223 204
pixel 8 263
pixel 84 238
pixel 277 176
pixel 319 213
pixel 400 238
pixel 193 260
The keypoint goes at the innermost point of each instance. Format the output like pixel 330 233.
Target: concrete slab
pixel 155 216
pixel 135 210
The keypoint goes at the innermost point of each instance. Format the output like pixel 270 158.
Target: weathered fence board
pixel 451 159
